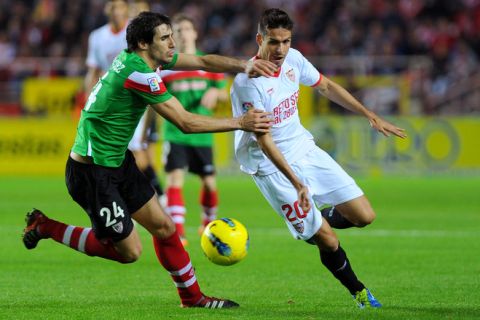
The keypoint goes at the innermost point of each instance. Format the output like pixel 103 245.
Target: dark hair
pixel 274 18
pixel 142 28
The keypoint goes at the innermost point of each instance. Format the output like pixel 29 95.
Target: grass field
pixel 420 258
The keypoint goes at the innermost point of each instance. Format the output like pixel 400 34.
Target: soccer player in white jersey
pixel 104 44
pixel 287 166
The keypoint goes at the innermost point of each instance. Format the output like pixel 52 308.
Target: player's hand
pixel 304 199
pixel 258 67
pixel 385 127
pixel 209 98
pixel 255 120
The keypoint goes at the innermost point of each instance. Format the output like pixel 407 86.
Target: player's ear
pixel 196 34
pixel 107 10
pixel 142 45
pixel 259 39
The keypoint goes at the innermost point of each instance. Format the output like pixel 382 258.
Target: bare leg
pixel 354 213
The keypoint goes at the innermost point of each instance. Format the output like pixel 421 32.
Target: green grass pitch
pixel 420 258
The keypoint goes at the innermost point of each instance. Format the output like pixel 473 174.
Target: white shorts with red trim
pixel 327 182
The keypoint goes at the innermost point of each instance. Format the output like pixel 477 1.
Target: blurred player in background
pixel 104 44
pixel 135 7
pixel 287 166
pixel 101 174
pixel 198 91
pixel 146 135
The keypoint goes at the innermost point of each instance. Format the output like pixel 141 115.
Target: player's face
pixel 117 11
pixel 274 45
pixel 184 34
pixel 162 48
pixel 134 8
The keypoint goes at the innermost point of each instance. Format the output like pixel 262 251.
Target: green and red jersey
pixel 115 106
pixel 189 87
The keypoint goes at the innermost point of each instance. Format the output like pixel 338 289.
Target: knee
pixel 168 227
pixel 209 184
pixel 164 229
pixel 132 255
pixel 330 244
pixel 325 241
pixel 365 219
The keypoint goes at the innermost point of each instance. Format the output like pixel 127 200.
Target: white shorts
pixel 327 183
pixel 136 143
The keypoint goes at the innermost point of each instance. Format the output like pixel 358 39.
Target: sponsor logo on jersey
pixel 153 83
pixel 286 108
pixel 291 75
pixel 246 106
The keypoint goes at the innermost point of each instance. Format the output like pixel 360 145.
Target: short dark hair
pixel 142 28
pixel 274 18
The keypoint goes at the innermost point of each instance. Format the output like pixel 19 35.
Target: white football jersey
pixel 104 45
pixel 278 95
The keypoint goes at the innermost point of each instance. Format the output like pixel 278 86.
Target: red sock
pixel 80 239
pixel 176 208
pixel 209 202
pixel 175 259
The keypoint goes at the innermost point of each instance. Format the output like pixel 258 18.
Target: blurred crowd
pixel 445 31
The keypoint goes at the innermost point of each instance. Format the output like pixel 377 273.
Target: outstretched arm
pixel 254 120
pixel 217 63
pixel 271 150
pixel 339 95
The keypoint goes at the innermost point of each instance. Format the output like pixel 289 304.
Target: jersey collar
pixel 115 32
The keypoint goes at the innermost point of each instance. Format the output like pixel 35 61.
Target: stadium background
pixel 413 61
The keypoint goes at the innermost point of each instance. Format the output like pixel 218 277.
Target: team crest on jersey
pixel 299 227
pixel 118 227
pixel 291 75
pixel 246 106
pixel 153 83
pixel 270 91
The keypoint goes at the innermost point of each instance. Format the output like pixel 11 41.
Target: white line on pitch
pixel 384 233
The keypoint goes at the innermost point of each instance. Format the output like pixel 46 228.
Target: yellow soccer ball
pixel 225 241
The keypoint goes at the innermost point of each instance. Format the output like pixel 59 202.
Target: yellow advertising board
pixel 52 96
pixel 34 146
pixel 434 144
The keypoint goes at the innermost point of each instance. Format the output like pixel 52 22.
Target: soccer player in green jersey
pixel 198 92
pixel 101 174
